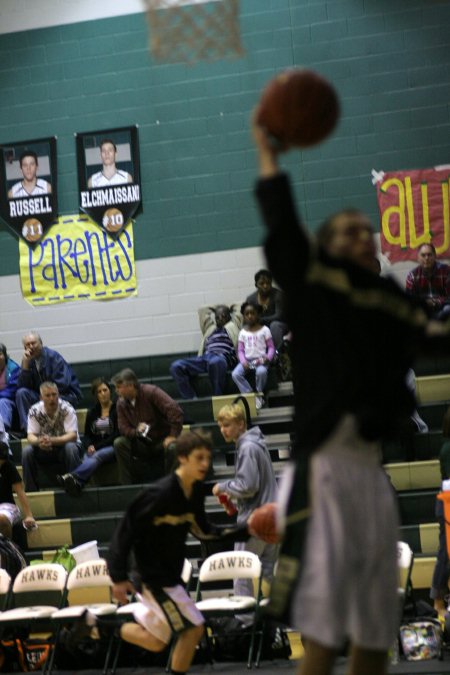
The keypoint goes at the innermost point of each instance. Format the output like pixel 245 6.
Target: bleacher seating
pixel 68 520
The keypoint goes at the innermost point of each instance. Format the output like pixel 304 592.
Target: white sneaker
pixel 259 402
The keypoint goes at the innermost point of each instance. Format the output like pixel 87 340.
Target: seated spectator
pixel 271 301
pixel 52 435
pixel 430 281
pixel 439 585
pixel 10 482
pixel 9 372
pixel 149 421
pixel 255 352
pixel 100 431
pixel 217 353
pixel 42 364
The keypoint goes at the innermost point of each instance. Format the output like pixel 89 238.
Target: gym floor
pixel 433 667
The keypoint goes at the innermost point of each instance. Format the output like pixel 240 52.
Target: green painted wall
pixel 389 60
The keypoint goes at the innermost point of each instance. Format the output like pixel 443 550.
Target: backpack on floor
pixel 421 640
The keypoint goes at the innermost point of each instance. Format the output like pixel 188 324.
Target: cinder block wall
pixel 197 240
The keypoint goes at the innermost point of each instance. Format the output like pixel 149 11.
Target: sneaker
pixel 259 402
pixel 70 484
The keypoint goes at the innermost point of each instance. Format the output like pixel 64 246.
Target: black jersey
pixel 155 527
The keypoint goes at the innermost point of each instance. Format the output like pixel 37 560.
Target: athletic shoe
pixel 70 484
pixel 259 402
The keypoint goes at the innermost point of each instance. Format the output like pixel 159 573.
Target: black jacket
pixel 91 437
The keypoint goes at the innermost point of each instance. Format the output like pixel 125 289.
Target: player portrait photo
pixel 28 179
pixel 109 176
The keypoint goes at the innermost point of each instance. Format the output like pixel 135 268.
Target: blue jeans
pixel 32 455
pixel 6 411
pixel 25 398
pixel 90 463
pixel 244 386
pixel 213 364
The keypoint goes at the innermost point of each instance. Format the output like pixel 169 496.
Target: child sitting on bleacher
pixel 255 351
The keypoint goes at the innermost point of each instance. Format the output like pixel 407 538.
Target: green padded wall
pixel 389 60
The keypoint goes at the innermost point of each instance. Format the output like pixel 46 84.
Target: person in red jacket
pixel 149 421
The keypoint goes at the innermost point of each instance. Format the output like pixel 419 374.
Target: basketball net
pixel 194 30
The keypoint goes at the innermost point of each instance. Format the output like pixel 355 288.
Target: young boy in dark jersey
pixel 155 526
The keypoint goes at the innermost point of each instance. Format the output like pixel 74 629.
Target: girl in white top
pixel 255 351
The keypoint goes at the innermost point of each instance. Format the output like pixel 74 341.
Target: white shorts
pixel 348 586
pixel 11 511
pixel 173 612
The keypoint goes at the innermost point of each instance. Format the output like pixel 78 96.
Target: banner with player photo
pixel 77 261
pixel 414 210
pixel 109 176
pixel 28 193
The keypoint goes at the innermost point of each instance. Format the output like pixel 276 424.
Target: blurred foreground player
pixel 155 527
pixel 355 335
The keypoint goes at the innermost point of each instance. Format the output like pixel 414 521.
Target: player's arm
pixel 267 150
pixel 28 519
pixel 130 528
pixel 204 530
pixel 287 246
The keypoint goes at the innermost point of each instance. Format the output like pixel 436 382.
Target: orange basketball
pixel 263 523
pixel 299 107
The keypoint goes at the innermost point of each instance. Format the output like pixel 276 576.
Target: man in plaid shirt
pixel 430 281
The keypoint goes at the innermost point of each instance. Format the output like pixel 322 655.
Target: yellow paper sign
pixel 77 260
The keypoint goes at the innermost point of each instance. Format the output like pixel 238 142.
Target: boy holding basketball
pixel 252 486
pixel 155 527
pixel 355 335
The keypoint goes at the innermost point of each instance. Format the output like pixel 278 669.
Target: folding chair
pixel 89 588
pixel 228 566
pixel 38 591
pixel 5 589
pixel 126 613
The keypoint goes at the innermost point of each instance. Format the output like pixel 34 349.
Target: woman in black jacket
pixel 99 433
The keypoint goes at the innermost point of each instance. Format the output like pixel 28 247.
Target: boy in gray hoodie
pixel 252 486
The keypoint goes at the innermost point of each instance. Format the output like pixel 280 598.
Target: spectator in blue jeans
pixel 98 441
pixel 52 434
pixel 217 354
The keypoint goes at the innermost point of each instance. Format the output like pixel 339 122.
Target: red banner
pixel 414 210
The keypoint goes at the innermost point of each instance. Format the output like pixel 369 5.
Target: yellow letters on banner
pixel 77 260
pixel 404 209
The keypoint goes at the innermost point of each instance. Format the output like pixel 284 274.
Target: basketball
pixel 263 523
pixel 32 230
pixel 112 220
pixel 299 108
